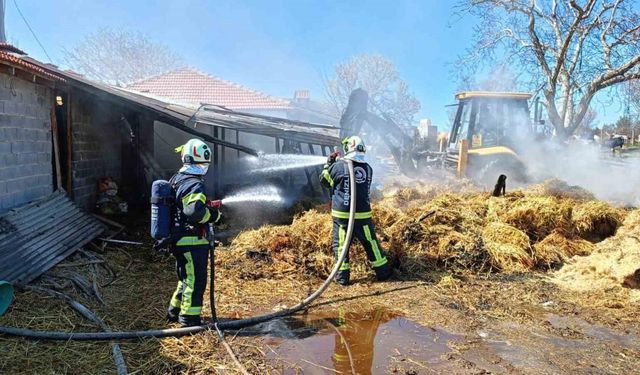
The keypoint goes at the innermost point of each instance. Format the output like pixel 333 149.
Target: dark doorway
pixel 61 104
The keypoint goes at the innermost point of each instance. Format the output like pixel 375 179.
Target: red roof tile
pixel 191 86
pixel 20 63
pixel 11 48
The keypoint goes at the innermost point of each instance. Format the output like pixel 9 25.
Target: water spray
pixel 260 194
pixel 269 163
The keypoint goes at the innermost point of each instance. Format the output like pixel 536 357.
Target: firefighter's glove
pixel 332 159
pixel 216 216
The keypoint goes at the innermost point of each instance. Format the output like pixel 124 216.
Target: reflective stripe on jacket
pixel 191 203
pixel 336 177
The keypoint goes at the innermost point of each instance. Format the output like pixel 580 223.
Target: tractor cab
pixel 490 119
pixel 493 125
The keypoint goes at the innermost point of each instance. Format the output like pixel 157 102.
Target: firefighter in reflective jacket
pixel 191 228
pixel 335 176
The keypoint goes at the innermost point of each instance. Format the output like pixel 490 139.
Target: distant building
pixel 428 133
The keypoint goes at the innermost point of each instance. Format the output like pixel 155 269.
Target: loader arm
pixel 399 143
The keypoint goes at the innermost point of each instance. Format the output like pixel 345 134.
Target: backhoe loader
pixel 487 135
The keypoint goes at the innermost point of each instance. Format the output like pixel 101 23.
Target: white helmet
pixel 353 148
pixel 196 157
pixel 194 152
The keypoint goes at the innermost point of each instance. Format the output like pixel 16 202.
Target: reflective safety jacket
pixel 336 177
pixel 192 211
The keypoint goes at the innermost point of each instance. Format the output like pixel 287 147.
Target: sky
pixel 274 46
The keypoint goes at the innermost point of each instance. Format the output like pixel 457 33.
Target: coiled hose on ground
pixel 222 325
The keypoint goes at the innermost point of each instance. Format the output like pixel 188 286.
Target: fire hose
pixel 221 325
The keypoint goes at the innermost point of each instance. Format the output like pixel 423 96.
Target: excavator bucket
pixel 354 115
pixel 398 143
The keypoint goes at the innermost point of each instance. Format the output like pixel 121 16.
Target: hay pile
pixel 427 226
pixel 279 250
pixel 614 263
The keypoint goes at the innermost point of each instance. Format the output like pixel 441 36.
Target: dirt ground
pixel 515 324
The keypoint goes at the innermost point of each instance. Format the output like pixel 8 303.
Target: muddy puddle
pixel 371 342
pixel 379 341
pixel 559 345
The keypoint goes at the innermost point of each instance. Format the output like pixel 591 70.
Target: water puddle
pixel 372 342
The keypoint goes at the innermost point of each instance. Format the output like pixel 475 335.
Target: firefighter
pixel 191 232
pixel 335 175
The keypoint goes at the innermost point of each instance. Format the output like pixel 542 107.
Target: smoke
pixel 588 165
pixel 577 161
pixel 580 162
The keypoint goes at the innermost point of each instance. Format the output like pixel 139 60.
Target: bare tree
pixel 388 93
pixel 119 57
pixel 568 49
pixel 589 120
pixel 633 93
pixel 500 78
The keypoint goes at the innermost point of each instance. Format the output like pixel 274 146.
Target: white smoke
pixel 589 165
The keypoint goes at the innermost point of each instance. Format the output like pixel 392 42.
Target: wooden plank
pixel 216 164
pixel 56 146
pixel 463 158
pixel 69 184
pixel 108 221
pixel 223 151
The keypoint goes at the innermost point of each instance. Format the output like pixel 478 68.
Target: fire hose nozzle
pixel 215 203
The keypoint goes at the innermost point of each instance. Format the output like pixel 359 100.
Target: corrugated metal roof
pixel 36 237
pixel 270 126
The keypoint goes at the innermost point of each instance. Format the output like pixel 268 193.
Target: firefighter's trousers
pixel 364 230
pixel 191 267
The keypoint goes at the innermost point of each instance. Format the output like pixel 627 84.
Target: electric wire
pixel 32 32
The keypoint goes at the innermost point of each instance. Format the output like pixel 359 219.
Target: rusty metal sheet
pixel 39 235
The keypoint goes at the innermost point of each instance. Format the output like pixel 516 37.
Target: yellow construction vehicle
pixel 492 129
pixel 486 137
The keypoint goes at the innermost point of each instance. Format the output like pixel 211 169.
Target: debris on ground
pixel 30 247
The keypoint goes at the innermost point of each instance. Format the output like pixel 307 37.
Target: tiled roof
pixel 11 48
pixel 21 63
pixel 191 86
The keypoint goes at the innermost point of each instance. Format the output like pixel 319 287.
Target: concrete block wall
pixel 26 170
pixel 97 149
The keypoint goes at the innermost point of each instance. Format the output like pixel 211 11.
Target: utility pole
pixel 3 37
